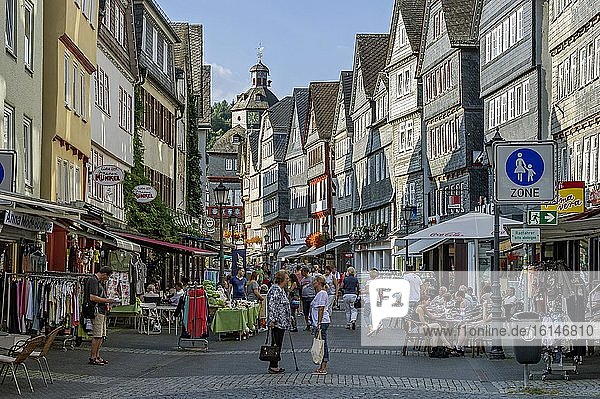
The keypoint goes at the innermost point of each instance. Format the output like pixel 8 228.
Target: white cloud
pixel 221 71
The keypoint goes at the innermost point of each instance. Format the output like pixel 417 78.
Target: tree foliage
pixel 220 120
pixel 154 218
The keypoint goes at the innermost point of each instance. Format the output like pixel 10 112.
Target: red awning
pixel 168 245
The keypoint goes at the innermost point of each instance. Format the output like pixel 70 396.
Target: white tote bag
pixel 318 349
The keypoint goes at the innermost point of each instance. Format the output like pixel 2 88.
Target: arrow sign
pixel 542 218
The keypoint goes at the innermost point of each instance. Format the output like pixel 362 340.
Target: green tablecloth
pixel 232 320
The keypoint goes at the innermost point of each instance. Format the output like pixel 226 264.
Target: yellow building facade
pixel 70 34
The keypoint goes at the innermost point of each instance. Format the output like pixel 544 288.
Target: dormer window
pixel 258 97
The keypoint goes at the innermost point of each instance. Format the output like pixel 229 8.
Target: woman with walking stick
pixel 278 314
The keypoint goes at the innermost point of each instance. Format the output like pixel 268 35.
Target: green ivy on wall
pixel 194 181
pixel 154 218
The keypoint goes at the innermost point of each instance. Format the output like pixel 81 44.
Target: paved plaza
pixel 144 366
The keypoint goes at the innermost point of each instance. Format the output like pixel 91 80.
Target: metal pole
pixel 497 352
pixel 221 249
pixel 406 249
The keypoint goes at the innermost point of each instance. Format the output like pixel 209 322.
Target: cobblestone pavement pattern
pixel 144 366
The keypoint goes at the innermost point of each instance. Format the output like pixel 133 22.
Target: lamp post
pixel 407 212
pixel 221 200
pixel 326 233
pixel 497 351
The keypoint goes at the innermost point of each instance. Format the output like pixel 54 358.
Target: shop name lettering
pixel 568 202
pixel 27 222
pixel 101 177
pixel 142 195
pixel 448 234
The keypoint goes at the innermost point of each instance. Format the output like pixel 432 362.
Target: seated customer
pixel 428 324
pixel 150 296
pixel 174 300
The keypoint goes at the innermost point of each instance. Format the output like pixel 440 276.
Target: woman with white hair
pixel 350 287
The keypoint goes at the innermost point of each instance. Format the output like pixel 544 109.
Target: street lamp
pixel 497 351
pixel 221 194
pixel 326 233
pixel 407 212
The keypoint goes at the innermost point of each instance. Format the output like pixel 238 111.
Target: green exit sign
pixel 535 218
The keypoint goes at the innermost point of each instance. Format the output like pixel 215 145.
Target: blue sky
pixel 303 40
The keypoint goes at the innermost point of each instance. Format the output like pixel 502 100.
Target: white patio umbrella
pixel 473 226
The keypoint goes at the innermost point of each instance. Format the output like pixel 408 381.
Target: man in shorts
pixel 94 287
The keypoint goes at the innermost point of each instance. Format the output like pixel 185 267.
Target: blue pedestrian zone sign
pixel 524 172
pixel 525 167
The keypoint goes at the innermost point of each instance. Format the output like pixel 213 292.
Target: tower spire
pixel 259 52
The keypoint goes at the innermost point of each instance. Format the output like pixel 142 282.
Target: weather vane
pixel 260 52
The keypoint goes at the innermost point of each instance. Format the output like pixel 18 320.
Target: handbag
pixel 357 303
pixel 318 349
pixel 269 353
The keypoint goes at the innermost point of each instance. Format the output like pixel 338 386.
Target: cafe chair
pixel 149 319
pixel 40 355
pixel 413 333
pixel 13 360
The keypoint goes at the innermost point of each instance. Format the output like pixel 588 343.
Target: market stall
pixel 241 319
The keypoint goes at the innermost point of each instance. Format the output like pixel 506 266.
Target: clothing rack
pixel 194 318
pixel 9 278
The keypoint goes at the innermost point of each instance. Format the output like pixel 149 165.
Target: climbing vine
pixel 154 218
pixel 194 181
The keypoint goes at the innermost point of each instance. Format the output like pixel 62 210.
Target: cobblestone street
pixel 144 366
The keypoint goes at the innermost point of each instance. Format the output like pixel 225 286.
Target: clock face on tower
pixel 253 118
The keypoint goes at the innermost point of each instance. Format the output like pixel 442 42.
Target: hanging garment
pixel 197 320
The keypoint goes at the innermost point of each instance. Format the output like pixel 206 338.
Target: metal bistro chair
pixel 13 360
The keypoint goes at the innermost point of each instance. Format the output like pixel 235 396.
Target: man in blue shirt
pixel 238 285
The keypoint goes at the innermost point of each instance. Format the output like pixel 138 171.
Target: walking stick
pixel 293 352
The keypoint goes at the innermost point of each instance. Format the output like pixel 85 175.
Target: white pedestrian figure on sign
pixel 530 173
pixel 521 167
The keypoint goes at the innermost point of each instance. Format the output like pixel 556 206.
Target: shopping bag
pixel 318 349
pixel 269 353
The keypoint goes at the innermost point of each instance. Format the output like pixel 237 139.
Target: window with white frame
pixel 402 36
pixel 165 58
pixel 125 110
pixel 84 95
pixel 76 92
pixel 270 176
pixel 267 148
pixel 504 35
pixel 444 138
pixel 97 189
pixel 559 6
pixel 154 45
pixel 28 35
pixel 10 29
pixel 509 104
pixel 439 81
pixel 28 151
pixel 67 79
pixel 8 135
pixel 404 82
pixel 439 24
pixel 102 90
pixel 593 177
pixel 406 136
pixel 270 206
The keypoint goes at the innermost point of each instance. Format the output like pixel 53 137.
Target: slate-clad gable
pixel 224 144
pixel 462 21
pixel 371 49
pixel 322 100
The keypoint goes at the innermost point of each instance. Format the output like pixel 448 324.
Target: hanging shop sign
pixel 27 222
pixel 108 175
pixel 144 193
pixel 571 198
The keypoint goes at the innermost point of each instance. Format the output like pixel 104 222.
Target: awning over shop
pixel 152 243
pixel 473 226
pixel 417 248
pixel 108 237
pixel 291 252
pixel 321 250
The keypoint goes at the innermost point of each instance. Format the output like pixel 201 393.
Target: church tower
pixel 249 106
